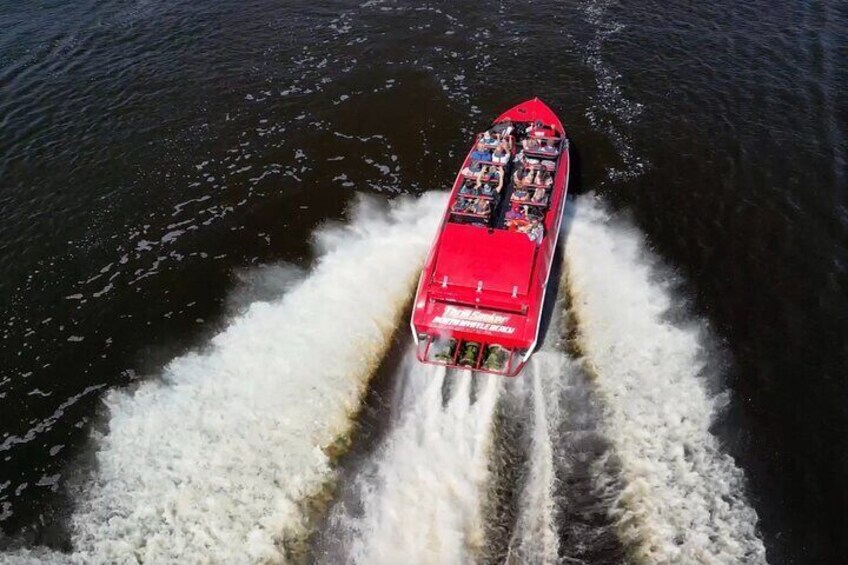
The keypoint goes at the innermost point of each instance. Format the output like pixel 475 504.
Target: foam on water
pixel 610 111
pixel 681 499
pixel 420 497
pixel 217 458
pixel 535 538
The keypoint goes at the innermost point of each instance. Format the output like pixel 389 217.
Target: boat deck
pixel 481 292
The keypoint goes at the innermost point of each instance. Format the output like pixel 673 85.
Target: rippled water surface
pixel 189 177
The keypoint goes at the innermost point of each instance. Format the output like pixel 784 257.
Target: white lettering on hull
pixel 474 319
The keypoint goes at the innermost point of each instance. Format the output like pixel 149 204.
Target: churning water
pixel 165 166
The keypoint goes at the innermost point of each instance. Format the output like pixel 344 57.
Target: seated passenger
pixel 468 187
pixel 518 175
pixel 501 154
pixel 517 212
pixel 480 153
pixel 539 129
pixel 497 175
pixel 543 178
pixel 522 158
pixel 519 194
pixel 494 178
pixel 472 169
pixel 534 128
pixel 461 205
pixel 490 141
pixel 478 163
pixel 480 206
pixel 523 177
pixel 540 196
pixel 516 224
pixel 533 212
pixel 489 172
pixel 483 173
pixel 533 229
pixel 547 147
pixel 530 144
pixel 524 212
pixel 536 231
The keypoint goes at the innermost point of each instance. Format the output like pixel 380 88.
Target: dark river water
pixel 160 161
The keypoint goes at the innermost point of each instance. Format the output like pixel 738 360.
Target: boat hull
pixel 482 288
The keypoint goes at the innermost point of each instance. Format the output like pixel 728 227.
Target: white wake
pixel 215 460
pixel 535 538
pixel 421 495
pixel 681 499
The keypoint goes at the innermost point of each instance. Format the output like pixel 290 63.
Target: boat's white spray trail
pixel 420 498
pixel 681 499
pixel 535 538
pixel 214 460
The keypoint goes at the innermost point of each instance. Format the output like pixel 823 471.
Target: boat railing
pixel 528 201
pixel 472 195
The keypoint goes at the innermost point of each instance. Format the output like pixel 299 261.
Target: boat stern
pixel 472 338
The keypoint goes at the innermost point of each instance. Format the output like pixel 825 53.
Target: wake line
pixel 217 459
pixel 557 507
pixel 418 499
pixel 681 499
pixel 535 538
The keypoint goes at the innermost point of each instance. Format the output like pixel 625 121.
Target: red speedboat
pixel 480 296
